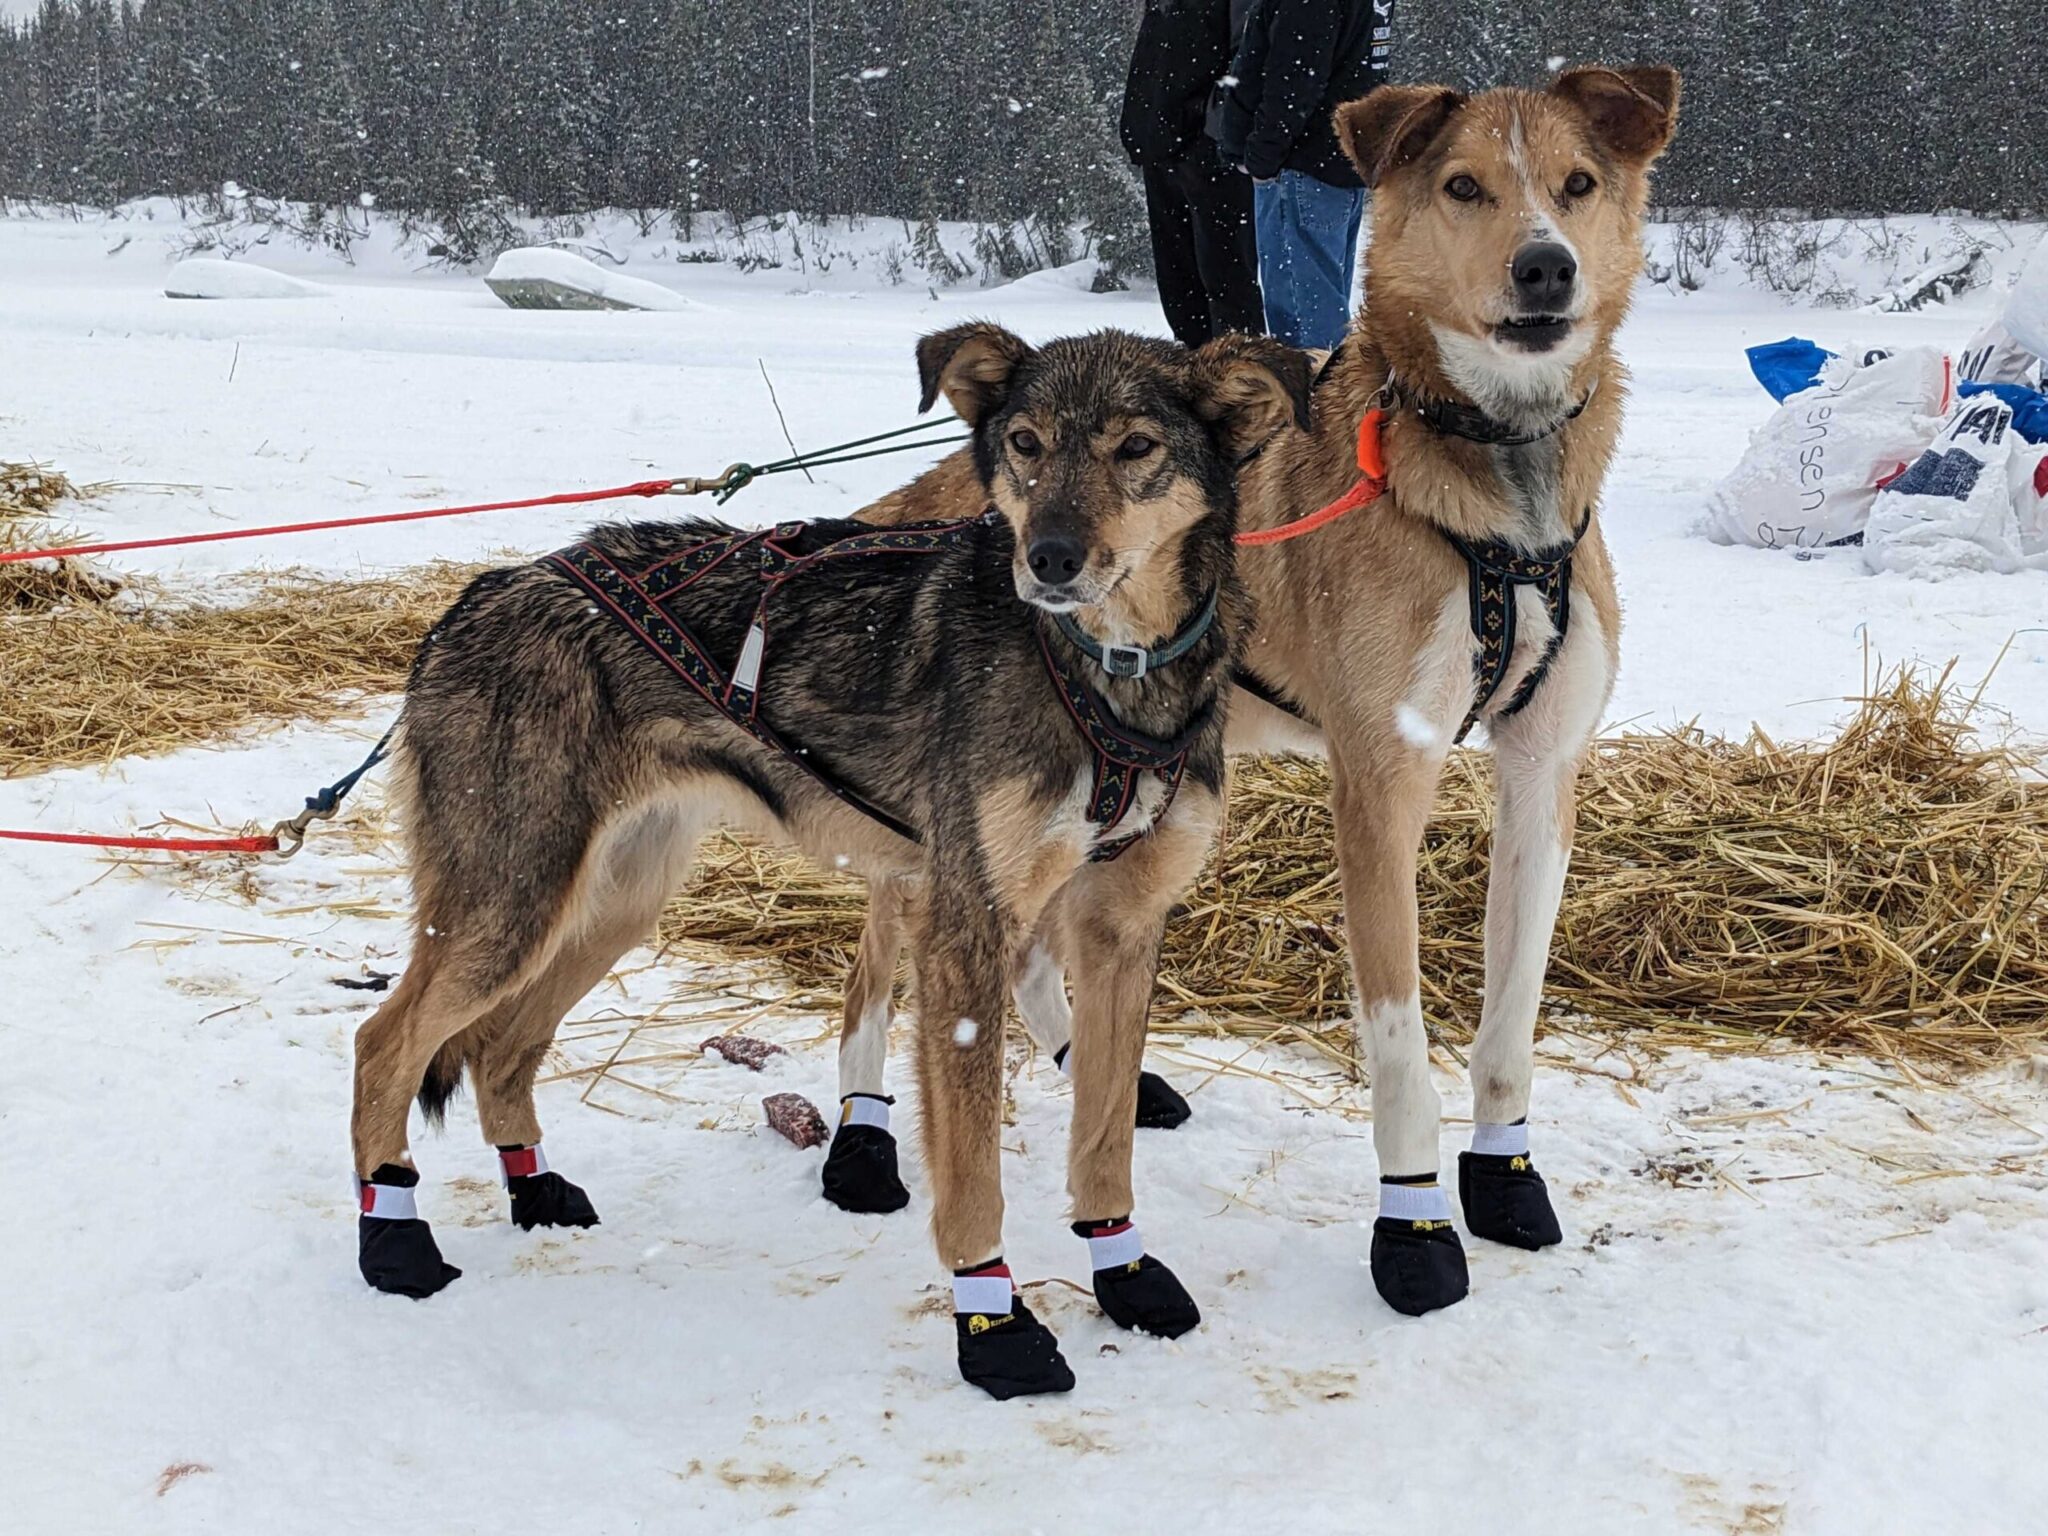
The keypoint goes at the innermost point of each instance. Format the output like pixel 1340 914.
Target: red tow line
pixel 570 498
pixel 270 842
pixel 264 844
pixel 1371 486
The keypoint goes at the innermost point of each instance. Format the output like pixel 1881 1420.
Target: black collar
pixel 1134 661
pixel 1453 418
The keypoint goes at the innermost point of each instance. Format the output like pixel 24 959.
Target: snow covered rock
pixel 208 277
pixel 535 277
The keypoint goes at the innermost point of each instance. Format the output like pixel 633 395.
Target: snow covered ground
pixel 1794 1297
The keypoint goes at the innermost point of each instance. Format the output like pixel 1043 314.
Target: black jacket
pixel 1183 48
pixel 1298 61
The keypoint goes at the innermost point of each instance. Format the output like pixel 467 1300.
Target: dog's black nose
pixel 1544 274
pixel 1056 559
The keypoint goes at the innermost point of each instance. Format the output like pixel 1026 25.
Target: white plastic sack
pixel 2026 311
pixel 1812 471
pixel 1996 356
pixel 1953 509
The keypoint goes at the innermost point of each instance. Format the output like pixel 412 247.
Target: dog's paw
pixel 401 1258
pixel 1418 1266
pixel 1506 1201
pixel 1147 1297
pixel 1160 1105
pixel 1011 1356
pixel 548 1200
pixel 860 1171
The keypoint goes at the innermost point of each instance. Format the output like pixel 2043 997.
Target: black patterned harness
pixel 637 601
pixel 1122 756
pixel 1493 570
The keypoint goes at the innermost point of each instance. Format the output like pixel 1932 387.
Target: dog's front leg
pixel 1115 914
pixel 1381 802
pixel 961 953
pixel 1503 1196
pixel 1536 755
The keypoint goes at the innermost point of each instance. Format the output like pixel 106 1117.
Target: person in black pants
pixel 1203 242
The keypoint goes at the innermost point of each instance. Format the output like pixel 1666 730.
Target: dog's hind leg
pixel 860 1167
pixel 1115 916
pixel 638 863
pixel 506 1054
pixel 433 1002
pixel 1041 997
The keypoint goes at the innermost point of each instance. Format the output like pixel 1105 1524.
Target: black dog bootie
pixel 541 1198
pixel 1134 1289
pixel 860 1165
pixel 1004 1349
pixel 1418 1264
pixel 1160 1105
pixel 1506 1200
pixel 395 1250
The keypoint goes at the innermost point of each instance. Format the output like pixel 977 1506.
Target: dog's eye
pixel 1025 442
pixel 1136 446
pixel 1463 188
pixel 1578 184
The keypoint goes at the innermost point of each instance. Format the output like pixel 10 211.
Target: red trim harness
pixel 638 601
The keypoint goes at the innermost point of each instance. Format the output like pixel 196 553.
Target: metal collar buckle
pixel 1131 661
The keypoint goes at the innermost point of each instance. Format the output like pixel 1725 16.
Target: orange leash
pixel 1371 486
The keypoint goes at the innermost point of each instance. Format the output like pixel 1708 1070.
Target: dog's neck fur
pixel 1513 493
pixel 1149 610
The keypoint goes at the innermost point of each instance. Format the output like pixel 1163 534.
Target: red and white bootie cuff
pixel 1112 1244
pixel 521 1163
pixel 986 1291
pixel 382 1197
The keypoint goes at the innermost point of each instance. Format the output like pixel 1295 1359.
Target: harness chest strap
pixel 1493 572
pixel 1493 569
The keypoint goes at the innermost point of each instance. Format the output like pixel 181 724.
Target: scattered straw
pixel 29 490
pixel 86 682
pixel 27 493
pixel 1880 893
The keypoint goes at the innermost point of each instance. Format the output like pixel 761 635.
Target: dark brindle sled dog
pixel 883 699
pixel 1506 242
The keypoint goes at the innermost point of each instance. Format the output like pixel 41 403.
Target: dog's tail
pixel 444 1076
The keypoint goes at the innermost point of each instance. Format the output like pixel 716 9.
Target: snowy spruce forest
pixel 467 114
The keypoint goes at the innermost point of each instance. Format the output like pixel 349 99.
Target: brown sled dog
pixel 1001 712
pixel 1506 241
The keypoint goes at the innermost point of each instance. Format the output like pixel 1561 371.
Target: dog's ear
pixel 1631 111
pixel 1249 388
pixel 971 365
pixel 1386 128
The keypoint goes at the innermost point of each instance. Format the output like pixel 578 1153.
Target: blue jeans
pixel 1308 251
